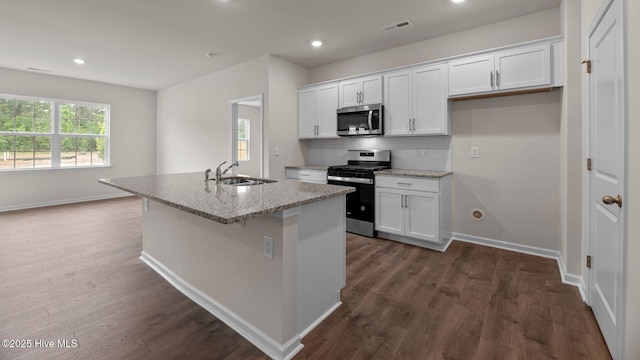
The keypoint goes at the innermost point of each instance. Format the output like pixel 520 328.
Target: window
pixel 243 139
pixel 40 133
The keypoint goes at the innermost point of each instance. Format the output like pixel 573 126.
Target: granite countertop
pixel 225 203
pixel 308 167
pixel 433 174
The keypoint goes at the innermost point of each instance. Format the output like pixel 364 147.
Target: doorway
pixel 247 136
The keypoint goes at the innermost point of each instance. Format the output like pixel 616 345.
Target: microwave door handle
pixel 370 118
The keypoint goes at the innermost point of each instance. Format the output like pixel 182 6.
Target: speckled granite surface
pixel 434 174
pixel 308 167
pixel 225 203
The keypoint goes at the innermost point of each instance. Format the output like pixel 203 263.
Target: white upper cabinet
pixel 415 101
pixel 361 91
pixel 519 68
pixel 317 108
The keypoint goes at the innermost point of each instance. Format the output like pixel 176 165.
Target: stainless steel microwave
pixel 360 120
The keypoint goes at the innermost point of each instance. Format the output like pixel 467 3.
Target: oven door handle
pixel 370 120
pixel 350 179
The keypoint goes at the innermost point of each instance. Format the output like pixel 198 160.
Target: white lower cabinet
pixel 414 210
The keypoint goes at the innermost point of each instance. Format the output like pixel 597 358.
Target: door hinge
pixel 589 164
pixel 589 261
pixel 588 62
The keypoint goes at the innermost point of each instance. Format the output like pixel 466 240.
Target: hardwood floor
pixel 72 273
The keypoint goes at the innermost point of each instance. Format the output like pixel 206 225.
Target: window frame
pixel 56 135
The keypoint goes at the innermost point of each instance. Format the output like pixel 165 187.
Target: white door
pixel 371 90
pixel 430 106
pixel 327 106
pixel 525 67
pixel 471 75
pixel 606 149
pixel 422 216
pixel 349 93
pixel 307 113
pixel 397 103
pixel 389 211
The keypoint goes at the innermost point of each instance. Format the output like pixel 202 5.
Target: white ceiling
pixel 153 44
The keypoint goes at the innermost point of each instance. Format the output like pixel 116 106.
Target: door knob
pixel 610 200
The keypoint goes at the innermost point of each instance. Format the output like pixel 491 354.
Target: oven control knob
pixel 362 208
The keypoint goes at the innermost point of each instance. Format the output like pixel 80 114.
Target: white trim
pixel 63 202
pixel 567 278
pixel 258 338
pixel 411 241
pixel 287 213
pixel 306 331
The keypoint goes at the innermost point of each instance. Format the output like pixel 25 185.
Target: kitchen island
pixel 267 259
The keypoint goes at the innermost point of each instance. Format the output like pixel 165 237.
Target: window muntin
pixel 244 134
pixel 40 133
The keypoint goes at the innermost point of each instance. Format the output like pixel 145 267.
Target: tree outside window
pixel 244 131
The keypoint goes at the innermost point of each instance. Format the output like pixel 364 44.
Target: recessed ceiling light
pixel 211 55
pixel 457 1
pixel 316 43
pixel 79 61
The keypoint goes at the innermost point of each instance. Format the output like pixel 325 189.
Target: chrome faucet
pixel 206 175
pixel 220 173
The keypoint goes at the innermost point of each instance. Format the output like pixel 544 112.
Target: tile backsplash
pixel 415 153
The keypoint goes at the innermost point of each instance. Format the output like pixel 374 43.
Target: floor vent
pixel 397 25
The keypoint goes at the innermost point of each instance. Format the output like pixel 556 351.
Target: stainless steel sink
pixel 244 181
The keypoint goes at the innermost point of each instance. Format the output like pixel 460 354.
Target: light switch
pixel 475 152
pixel 276 151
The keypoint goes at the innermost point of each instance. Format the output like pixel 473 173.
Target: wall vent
pixel 397 25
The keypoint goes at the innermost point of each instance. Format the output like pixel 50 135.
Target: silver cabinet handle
pixel 404 184
pixel 491 77
pixel 402 201
pixel 497 78
pixel 413 128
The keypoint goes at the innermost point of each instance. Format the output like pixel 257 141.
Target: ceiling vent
pixel 397 25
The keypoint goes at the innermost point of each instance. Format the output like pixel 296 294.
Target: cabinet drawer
pixel 404 182
pixel 307 175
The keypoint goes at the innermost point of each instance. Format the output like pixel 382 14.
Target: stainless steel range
pixel 358 173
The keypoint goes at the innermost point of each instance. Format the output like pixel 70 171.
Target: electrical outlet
pixel 268 247
pixel 475 152
pixel 423 153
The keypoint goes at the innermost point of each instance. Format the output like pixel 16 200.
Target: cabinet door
pixel 430 104
pixel 349 93
pixel 422 216
pixel 471 75
pixel 525 67
pixel 307 113
pixel 397 103
pixel 327 106
pixel 371 90
pixel 389 212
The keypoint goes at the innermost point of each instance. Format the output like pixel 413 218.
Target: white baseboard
pixel 262 341
pixel 63 202
pixel 567 278
pixel 407 240
pixel 320 319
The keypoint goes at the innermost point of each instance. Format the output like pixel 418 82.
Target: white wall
pixel 281 131
pixel 572 166
pixel 133 127
pixel 194 118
